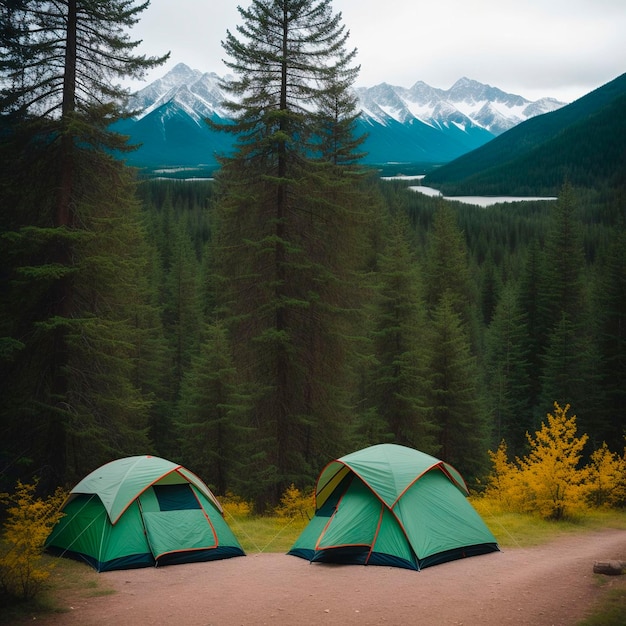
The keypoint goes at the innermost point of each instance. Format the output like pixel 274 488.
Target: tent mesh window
pixel 176 497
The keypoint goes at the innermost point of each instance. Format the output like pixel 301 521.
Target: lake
pixel 482 201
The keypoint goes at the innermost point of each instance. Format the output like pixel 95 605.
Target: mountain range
pixel 417 124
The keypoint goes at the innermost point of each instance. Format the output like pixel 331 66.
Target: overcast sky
pixel 534 48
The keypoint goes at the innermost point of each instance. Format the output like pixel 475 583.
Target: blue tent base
pixel 197 556
pixel 458 553
pixel 351 556
pixel 359 556
pixel 136 561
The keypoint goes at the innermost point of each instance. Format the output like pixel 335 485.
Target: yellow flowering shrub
pixel 504 489
pixel 28 524
pixel 606 483
pixel 550 480
pixel 295 503
pixel 235 506
pixel 551 474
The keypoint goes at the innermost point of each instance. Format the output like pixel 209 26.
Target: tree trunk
pixel 610 568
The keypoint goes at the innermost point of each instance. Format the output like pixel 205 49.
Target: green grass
pixel 610 610
pixel 266 534
pixel 522 531
pixel 512 530
pixel 66 576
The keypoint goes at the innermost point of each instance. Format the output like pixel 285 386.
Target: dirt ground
pixel 553 584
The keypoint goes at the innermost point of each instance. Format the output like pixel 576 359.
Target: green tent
pixel 392 505
pixel 142 511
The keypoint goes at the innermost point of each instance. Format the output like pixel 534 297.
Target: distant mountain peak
pixel 478 104
pixel 415 124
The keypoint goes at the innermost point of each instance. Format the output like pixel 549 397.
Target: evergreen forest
pixel 255 326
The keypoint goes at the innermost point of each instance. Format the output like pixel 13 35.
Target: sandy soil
pixel 553 584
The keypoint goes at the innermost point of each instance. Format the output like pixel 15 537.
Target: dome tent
pixel 392 505
pixel 142 511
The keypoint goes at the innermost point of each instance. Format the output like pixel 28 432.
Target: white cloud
pixel 535 48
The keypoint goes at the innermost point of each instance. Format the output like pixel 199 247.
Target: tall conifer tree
pixel 457 397
pixel 399 379
pixel 69 276
pixel 611 299
pixel 507 372
pixel 456 402
pixel 568 351
pixel 290 217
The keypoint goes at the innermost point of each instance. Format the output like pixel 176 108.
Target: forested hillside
pixel 582 143
pixel 473 321
pixel 296 308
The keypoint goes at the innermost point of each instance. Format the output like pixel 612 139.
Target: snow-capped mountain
pixel 196 93
pixel 466 103
pixel 421 123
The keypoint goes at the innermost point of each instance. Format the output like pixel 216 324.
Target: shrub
pixel 549 479
pixel 235 506
pixel 295 503
pixel 29 522
pixel 505 488
pixel 551 473
pixel 607 479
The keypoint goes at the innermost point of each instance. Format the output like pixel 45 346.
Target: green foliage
pixel 401 343
pixel 582 143
pixel 292 216
pixel 29 522
pixel 507 370
pixel 211 411
pixel 74 281
pixel 57 55
pixel 454 394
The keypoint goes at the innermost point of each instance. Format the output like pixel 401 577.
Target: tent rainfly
pixel 142 511
pixel 392 505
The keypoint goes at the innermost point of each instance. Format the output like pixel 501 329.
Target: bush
pixel 606 486
pixel 551 471
pixel 504 486
pixel 29 522
pixel 549 479
pixel 295 503
pixel 235 506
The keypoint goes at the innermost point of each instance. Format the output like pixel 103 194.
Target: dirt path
pixel 548 585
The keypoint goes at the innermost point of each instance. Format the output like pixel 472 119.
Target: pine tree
pixel 561 289
pixel 447 269
pixel 210 413
pixel 290 215
pixel 611 303
pixel 399 379
pixel 457 396
pixel 530 302
pixel 507 371
pixel 569 366
pixel 72 236
pixel 93 349
pixel 455 399
pixel 182 313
